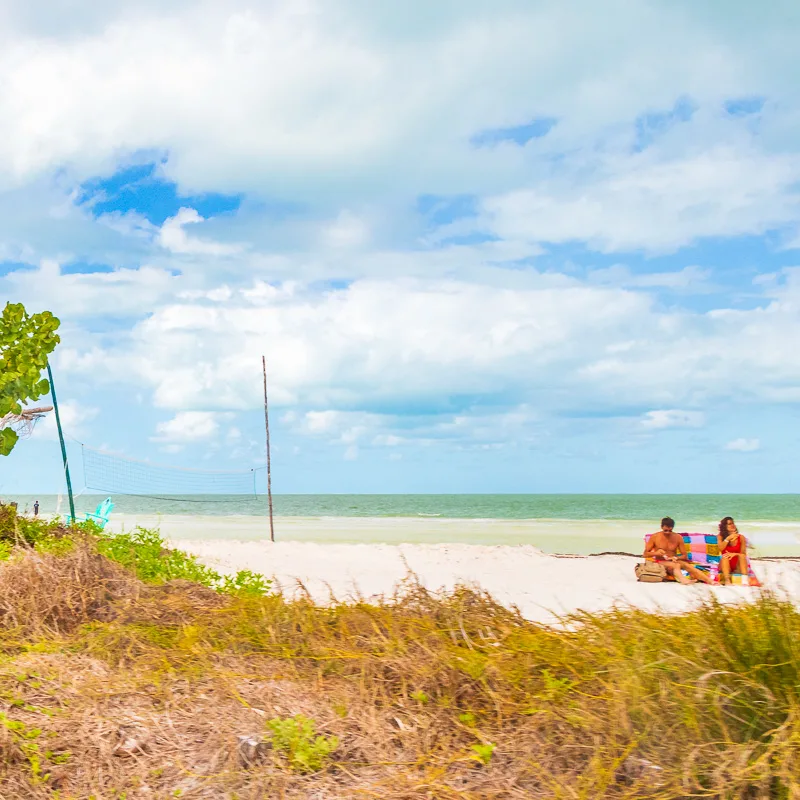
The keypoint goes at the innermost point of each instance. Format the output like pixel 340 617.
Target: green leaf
pixel 26 341
pixel 8 438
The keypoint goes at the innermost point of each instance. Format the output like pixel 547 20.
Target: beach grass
pixel 120 679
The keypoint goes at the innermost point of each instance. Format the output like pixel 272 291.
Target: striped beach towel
pixel 703 551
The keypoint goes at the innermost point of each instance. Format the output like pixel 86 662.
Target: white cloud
pixel 74 418
pixel 121 292
pixel 174 238
pixel 344 95
pixel 190 426
pixel 375 339
pixel 631 203
pixel 744 445
pixel 351 111
pixel 346 231
pixel 672 418
pixel 688 279
pixel 556 347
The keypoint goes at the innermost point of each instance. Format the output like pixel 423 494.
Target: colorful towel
pixel 703 552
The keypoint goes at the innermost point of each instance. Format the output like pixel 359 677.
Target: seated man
pixel 668 549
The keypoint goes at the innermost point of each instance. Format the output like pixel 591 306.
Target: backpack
pixel 650 572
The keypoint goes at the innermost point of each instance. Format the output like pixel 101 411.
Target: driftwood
pixel 24 422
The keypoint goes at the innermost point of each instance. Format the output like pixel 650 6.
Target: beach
pixel 545 568
pixel 543 587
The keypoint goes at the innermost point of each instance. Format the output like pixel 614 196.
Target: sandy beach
pixel 513 560
pixel 542 586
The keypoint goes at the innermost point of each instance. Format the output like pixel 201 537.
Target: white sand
pixel 541 586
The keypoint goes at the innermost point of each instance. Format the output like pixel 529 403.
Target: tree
pixel 26 341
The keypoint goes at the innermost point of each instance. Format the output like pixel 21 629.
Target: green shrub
pixel 297 738
pixel 145 553
pixel 16 530
pixel 245 584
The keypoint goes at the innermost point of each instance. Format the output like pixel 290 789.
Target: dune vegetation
pixel 127 671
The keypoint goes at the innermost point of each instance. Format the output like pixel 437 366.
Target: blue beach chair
pixel 100 515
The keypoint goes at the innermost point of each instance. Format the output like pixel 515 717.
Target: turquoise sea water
pixel 580 524
pixel 754 507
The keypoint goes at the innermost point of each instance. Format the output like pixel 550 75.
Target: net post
pixel 269 467
pixel 61 440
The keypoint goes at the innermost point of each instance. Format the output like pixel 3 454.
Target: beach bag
pixel 650 572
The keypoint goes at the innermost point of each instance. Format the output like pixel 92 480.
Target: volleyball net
pixel 113 474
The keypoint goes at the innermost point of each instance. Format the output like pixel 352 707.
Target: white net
pixel 24 422
pixel 114 474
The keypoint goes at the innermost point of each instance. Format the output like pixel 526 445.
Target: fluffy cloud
pixel 743 445
pixel 174 238
pixel 117 293
pixel 672 418
pixel 386 324
pixel 190 426
pixel 74 419
pixel 449 345
pixel 375 341
pixel 343 95
pixel 644 202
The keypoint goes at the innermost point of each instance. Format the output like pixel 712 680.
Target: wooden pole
pixel 63 446
pixel 269 465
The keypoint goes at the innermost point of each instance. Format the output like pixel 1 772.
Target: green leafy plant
pixel 297 738
pixel 26 341
pixel 145 553
pixel 482 752
pixel 25 738
pixel 245 584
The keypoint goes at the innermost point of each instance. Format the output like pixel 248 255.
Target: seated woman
pixel 732 549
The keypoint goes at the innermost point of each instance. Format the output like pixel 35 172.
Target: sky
pixel 519 246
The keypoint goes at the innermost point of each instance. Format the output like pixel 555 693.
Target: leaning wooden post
pixel 61 439
pixel 269 466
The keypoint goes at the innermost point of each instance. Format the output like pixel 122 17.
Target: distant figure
pixel 733 549
pixel 36 509
pixel 668 549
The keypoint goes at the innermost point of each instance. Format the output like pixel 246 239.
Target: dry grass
pixel 110 688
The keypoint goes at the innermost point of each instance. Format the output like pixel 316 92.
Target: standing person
pixel 668 549
pixel 36 508
pixel 732 548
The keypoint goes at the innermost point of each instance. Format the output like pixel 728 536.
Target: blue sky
pixel 509 249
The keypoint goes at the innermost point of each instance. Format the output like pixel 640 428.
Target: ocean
pixel 556 523
pixel 650 507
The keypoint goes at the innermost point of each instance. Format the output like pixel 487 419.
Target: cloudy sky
pixel 514 246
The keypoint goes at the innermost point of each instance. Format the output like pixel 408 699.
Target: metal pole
pixel 61 439
pixel 269 466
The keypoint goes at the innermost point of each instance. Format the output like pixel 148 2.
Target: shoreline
pixel 578 537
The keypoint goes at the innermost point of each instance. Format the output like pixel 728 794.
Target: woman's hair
pixel 723 526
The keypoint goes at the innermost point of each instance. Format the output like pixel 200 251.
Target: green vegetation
pixel 297 738
pixel 143 552
pixel 120 678
pixel 26 341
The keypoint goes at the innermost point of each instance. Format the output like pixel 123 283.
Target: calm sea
pixel 750 507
